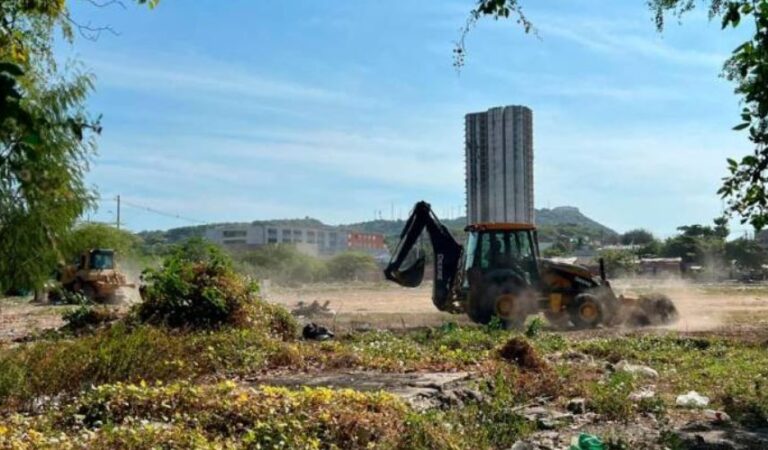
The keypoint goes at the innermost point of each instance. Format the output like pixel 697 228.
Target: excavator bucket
pixel 410 276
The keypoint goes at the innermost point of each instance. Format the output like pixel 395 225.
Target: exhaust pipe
pixel 602 270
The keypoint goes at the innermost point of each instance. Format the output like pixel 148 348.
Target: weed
pixel 610 397
pixel 534 328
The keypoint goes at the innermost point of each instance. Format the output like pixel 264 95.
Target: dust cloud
pixel 702 306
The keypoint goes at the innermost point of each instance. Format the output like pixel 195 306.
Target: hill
pixel 562 220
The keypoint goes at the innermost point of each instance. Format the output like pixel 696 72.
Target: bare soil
pixel 722 308
pixel 703 307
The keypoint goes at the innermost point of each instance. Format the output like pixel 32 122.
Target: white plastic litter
pixel 634 369
pixel 692 400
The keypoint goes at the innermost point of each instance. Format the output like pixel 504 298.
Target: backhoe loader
pixel 499 273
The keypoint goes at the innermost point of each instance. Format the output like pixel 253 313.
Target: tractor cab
pixel 100 259
pixel 502 250
pixel 501 266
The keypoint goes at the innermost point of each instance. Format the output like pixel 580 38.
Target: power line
pixel 155 211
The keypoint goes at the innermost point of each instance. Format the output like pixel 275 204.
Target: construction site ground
pixel 735 311
pixel 704 307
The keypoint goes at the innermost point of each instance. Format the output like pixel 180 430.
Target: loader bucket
pixel 410 276
pixel 649 310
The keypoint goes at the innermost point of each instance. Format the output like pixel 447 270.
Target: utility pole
pixel 118 211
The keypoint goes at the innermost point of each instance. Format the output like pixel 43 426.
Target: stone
pixel 708 436
pixel 522 445
pixel 636 369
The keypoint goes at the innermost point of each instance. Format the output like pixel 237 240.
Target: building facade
pixel 499 165
pixel 315 241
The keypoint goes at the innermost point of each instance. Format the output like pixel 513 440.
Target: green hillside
pixel 560 221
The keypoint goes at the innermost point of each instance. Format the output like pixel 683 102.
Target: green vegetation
pixel 46 140
pixel 99 235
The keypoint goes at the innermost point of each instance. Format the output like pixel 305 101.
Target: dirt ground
pixel 721 308
pixel 702 307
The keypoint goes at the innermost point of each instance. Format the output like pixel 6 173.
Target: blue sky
pixel 243 110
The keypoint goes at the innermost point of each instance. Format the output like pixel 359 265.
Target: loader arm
pixel 446 261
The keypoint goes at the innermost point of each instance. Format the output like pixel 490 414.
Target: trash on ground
pixel 692 400
pixel 586 441
pixel 316 332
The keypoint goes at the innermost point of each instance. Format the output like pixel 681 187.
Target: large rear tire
pixel 482 306
pixel 587 311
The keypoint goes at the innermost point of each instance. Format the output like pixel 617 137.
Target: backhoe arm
pixel 446 250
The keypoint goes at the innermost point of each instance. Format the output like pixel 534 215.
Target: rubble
pixel 314 309
pixel 634 369
pixel 643 394
pixel 706 436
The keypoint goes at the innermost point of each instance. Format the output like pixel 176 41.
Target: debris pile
pixel 521 353
pixel 313 309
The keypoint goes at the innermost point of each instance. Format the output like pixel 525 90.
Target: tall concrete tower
pixel 499 165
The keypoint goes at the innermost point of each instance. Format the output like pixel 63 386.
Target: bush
pixel 284 264
pixel 197 287
pixel 88 316
pixel 351 266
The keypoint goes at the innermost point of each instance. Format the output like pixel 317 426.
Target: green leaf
pixel 741 126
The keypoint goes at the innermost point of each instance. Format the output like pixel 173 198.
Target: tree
pixel 99 235
pixel 619 262
pixel 46 140
pixel 747 254
pixel 637 237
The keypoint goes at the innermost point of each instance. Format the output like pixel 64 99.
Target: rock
pixel 703 436
pixel 636 369
pixel 545 418
pixel 716 416
pixel 577 405
pixel 642 394
pixel 692 400
pixel 522 445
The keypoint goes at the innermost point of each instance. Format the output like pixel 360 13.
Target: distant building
pixel 499 165
pixel 315 241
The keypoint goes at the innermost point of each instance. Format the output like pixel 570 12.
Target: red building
pixel 365 241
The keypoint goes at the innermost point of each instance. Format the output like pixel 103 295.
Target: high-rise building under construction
pixel 499 165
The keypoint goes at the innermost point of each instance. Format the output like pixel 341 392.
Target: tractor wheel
pixel 88 292
pixel 483 307
pixel 586 311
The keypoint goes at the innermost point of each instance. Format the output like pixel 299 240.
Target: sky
pixel 348 110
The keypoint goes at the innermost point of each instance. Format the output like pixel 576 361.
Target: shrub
pixel 197 287
pixel 88 316
pixel 351 266
pixel 283 263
